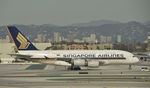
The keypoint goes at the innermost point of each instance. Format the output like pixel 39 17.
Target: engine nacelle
pixel 83 62
pixel 93 63
pixel 79 62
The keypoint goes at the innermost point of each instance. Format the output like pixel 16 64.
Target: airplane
pixel 143 56
pixel 74 59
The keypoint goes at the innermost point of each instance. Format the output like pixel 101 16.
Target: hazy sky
pixel 63 12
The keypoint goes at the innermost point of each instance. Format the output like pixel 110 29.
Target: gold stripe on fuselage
pixel 38 60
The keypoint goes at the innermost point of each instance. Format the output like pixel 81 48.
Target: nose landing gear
pixel 130 67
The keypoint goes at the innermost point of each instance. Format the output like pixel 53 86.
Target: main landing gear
pixel 72 67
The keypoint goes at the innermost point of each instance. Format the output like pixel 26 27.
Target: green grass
pixel 36 67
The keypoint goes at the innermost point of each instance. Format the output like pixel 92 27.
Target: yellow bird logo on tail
pixel 24 44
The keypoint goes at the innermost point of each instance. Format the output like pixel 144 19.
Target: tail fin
pixel 21 42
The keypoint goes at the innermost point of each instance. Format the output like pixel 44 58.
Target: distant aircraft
pixel 143 56
pixel 72 58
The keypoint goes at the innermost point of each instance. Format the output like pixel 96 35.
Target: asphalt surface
pixel 18 76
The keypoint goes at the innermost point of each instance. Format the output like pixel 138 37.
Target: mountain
pixel 95 23
pixel 129 31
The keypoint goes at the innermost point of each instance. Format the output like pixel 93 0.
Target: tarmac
pixel 48 76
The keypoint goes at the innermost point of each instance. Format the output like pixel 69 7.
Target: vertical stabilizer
pixel 21 42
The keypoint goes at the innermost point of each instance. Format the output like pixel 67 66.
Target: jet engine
pixel 79 62
pixel 93 63
pixel 83 62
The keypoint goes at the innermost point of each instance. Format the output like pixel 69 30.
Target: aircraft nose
pixel 136 59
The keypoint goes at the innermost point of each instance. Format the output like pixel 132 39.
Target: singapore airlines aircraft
pixel 72 58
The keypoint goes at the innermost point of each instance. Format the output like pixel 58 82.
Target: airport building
pixel 118 38
pixel 7 40
pixel 76 47
pixel 40 38
pixel 91 39
pixel 84 46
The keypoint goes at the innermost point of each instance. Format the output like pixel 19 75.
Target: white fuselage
pixel 103 56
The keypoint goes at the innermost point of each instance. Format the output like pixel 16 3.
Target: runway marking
pixel 101 79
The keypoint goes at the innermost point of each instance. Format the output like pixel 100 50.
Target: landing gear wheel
pixel 74 68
